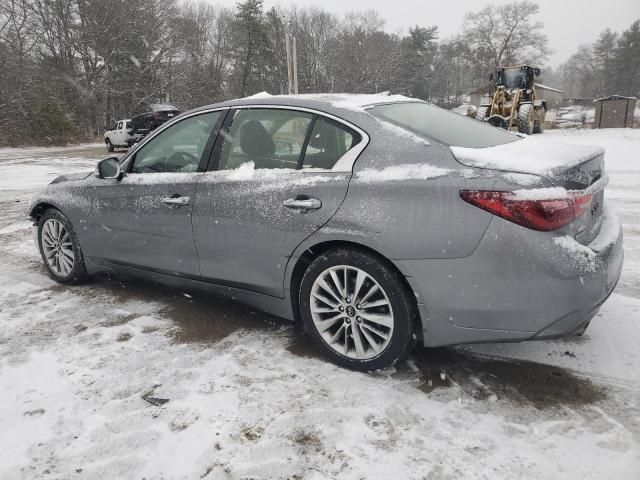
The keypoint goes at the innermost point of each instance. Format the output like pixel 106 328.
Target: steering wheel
pixel 179 160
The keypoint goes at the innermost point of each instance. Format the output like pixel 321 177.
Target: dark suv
pixel 152 116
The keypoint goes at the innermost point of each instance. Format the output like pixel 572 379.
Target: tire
pixel 482 113
pixel 525 119
pixel 60 249
pixel 389 309
pixel 538 124
pixel 582 329
pixel 110 147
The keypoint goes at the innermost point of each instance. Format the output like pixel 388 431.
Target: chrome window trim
pixel 344 163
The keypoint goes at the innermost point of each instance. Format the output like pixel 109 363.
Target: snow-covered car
pixel 120 135
pixel 377 221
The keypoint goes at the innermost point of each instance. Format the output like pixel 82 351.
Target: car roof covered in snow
pixel 336 103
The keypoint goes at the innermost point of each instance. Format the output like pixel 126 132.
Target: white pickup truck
pixel 120 135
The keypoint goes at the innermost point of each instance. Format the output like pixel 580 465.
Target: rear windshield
pixel 441 125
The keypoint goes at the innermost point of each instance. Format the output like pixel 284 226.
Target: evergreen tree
pixel 626 74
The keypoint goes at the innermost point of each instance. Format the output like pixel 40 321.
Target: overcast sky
pixel 568 23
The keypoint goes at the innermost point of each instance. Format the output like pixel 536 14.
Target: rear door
pixel 271 184
pixel 144 220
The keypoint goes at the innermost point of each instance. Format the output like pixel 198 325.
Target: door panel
pixel 145 218
pixel 117 135
pixel 139 229
pixel 251 214
pixel 245 235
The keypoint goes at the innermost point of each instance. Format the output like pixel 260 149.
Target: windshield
pixel 441 125
pixel 513 78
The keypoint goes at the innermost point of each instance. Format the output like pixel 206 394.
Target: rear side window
pixel 268 138
pixel 328 142
pixel 284 139
pixel 441 125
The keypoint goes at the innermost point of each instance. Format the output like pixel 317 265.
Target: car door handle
pixel 176 202
pixel 302 203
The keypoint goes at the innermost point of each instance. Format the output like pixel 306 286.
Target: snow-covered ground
pixel 81 369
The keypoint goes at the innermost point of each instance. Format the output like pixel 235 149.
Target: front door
pixel 117 137
pixel 271 187
pixel 144 220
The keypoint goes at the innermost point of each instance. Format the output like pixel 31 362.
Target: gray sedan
pixel 377 221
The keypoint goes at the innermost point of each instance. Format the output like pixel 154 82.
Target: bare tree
pixel 506 33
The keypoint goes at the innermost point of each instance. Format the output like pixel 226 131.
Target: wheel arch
pixel 38 209
pixel 311 252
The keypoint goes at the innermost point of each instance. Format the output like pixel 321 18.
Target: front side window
pixel 177 149
pixel 119 126
pixel 270 138
pixel 328 142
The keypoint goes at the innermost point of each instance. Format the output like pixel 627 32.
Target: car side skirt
pixel 279 307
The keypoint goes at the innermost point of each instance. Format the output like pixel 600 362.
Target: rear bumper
pixel 517 285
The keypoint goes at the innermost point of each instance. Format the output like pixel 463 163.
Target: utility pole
pixel 292 60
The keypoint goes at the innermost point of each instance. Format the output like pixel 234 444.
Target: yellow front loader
pixel 514 103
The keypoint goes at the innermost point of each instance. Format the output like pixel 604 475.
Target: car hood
pixel 69 177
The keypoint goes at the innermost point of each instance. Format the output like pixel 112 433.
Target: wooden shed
pixel 614 112
pixel 552 96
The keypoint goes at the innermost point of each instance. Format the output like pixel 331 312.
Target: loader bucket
pixel 499 121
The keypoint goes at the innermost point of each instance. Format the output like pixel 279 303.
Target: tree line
pixel 68 68
pixel 611 65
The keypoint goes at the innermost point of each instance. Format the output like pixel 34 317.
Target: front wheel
pixel 60 249
pixel 109 145
pixel 525 118
pixel 357 309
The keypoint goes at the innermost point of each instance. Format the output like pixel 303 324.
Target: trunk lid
pixel 576 169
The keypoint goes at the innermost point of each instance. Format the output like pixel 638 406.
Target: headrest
pixel 255 140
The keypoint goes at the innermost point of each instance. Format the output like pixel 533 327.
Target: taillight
pixel 544 215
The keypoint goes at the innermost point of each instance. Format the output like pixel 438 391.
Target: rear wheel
pixel 109 145
pixel 538 124
pixel 357 309
pixel 525 119
pixel 60 249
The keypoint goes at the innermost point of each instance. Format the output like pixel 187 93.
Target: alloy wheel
pixel 57 247
pixel 351 312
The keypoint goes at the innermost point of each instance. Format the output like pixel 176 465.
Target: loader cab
pixel 517 77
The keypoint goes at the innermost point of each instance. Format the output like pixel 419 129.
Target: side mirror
pixel 109 168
